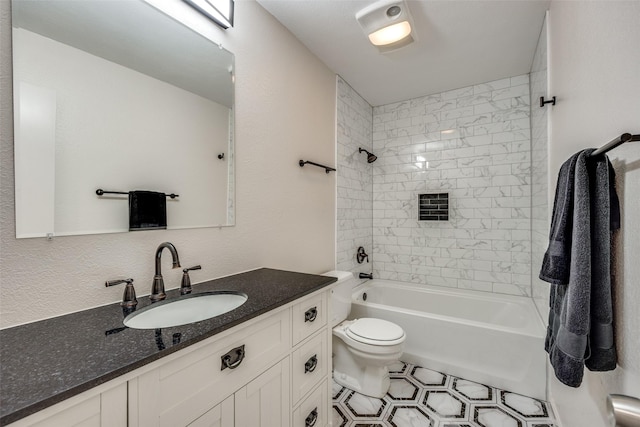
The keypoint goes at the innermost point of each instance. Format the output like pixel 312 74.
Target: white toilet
pixel 362 348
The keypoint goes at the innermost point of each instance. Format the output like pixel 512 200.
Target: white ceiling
pixel 458 43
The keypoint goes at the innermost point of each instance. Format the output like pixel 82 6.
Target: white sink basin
pixel 188 309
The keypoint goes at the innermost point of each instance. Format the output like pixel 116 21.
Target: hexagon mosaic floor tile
pixel 419 397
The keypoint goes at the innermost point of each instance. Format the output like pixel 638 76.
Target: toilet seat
pixel 376 332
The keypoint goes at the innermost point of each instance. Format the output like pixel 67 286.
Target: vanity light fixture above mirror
pixel 219 11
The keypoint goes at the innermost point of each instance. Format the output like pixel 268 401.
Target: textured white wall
pixel 594 63
pixel 285 111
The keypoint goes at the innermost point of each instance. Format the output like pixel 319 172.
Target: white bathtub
pixel 496 340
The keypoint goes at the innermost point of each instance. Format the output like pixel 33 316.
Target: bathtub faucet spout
pixel 365 276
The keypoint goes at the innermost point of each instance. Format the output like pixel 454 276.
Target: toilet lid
pixel 378 330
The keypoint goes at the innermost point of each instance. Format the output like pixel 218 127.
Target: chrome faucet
pixel 157 289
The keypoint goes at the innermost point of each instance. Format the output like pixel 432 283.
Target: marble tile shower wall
pixel 475 144
pixel 354 179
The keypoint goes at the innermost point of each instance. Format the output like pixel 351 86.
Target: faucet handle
pixel 117 282
pixel 185 286
pixel 361 255
pixel 129 299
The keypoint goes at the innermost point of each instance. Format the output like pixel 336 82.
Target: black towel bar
pixel 625 137
pixel 327 169
pixel 100 192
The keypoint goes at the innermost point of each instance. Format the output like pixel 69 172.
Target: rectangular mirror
pixel 118 96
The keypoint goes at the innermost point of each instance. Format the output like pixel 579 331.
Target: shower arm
pixel 370 156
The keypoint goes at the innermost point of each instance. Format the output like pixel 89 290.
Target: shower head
pixel 370 156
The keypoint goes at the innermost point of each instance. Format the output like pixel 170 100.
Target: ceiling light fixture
pixel 387 23
pixel 390 34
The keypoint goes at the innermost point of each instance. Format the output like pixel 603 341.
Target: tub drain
pixel 364 296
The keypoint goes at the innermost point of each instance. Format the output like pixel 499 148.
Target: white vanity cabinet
pixel 263 402
pixel 271 371
pixel 182 387
pixel 103 406
pixel 274 379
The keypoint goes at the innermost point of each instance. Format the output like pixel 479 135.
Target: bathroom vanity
pixel 266 363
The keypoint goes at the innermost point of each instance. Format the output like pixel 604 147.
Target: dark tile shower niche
pixel 433 207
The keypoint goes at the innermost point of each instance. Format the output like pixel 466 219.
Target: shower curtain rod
pixel 625 137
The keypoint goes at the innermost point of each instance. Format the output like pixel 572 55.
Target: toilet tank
pixel 341 295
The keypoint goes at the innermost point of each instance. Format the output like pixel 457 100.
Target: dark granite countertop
pixel 46 362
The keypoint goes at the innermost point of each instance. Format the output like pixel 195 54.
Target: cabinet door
pixel 90 409
pixel 264 402
pixel 184 388
pixel 220 416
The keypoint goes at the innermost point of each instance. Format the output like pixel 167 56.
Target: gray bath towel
pixel 605 216
pixel 555 265
pixel 577 264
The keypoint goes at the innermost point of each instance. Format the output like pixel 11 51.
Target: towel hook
pixel 551 101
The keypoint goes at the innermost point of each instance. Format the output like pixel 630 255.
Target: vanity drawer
pixel 309 364
pixel 309 315
pixel 183 389
pixel 314 410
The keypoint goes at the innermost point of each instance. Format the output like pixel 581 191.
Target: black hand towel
pixel 147 210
